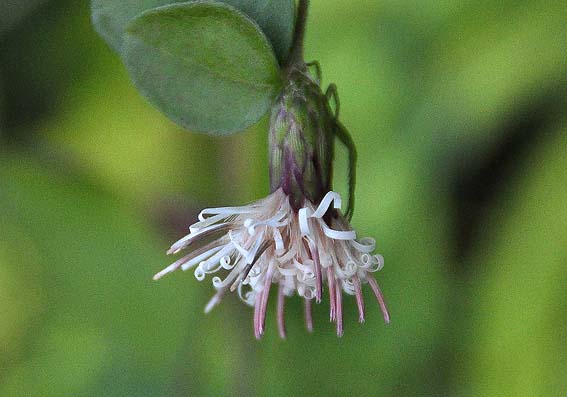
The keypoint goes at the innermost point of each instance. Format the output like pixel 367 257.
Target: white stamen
pixel 337 234
pixel 291 237
pixel 180 244
pixel 255 248
pixel 200 258
pixel 364 245
pixel 208 265
pixel 278 240
pixel 227 211
pixel 215 300
pixel 234 241
pixel 304 215
pixel 326 203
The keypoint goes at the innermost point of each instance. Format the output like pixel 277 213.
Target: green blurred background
pixel 459 110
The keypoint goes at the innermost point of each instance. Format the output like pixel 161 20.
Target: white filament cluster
pixel 268 239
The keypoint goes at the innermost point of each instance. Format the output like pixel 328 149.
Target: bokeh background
pixel 459 110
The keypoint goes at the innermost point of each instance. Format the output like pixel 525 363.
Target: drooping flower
pixel 296 238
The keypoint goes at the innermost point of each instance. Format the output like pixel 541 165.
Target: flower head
pixel 297 237
pixel 249 248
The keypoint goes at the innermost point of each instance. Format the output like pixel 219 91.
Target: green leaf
pixel 206 66
pixel 275 17
pixel 110 17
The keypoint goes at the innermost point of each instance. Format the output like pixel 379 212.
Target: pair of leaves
pixel 209 66
pixel 274 17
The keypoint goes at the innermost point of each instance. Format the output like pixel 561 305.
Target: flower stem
pixel 296 52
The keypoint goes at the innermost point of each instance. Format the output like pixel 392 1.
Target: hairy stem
pixel 296 52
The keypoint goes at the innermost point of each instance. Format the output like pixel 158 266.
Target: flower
pixel 303 251
pixel 296 237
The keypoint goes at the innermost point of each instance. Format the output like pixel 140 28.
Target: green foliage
pixel 275 18
pixel 206 66
pixel 209 66
pixel 110 17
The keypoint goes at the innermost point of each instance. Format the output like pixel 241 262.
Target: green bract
pixel 275 18
pixel 206 65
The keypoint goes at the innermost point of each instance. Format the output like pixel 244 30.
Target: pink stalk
pixel 257 306
pixel 376 289
pixel 339 304
pixel 281 319
pixel 265 296
pixel 308 315
pixel 332 294
pixel 318 276
pixel 359 299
